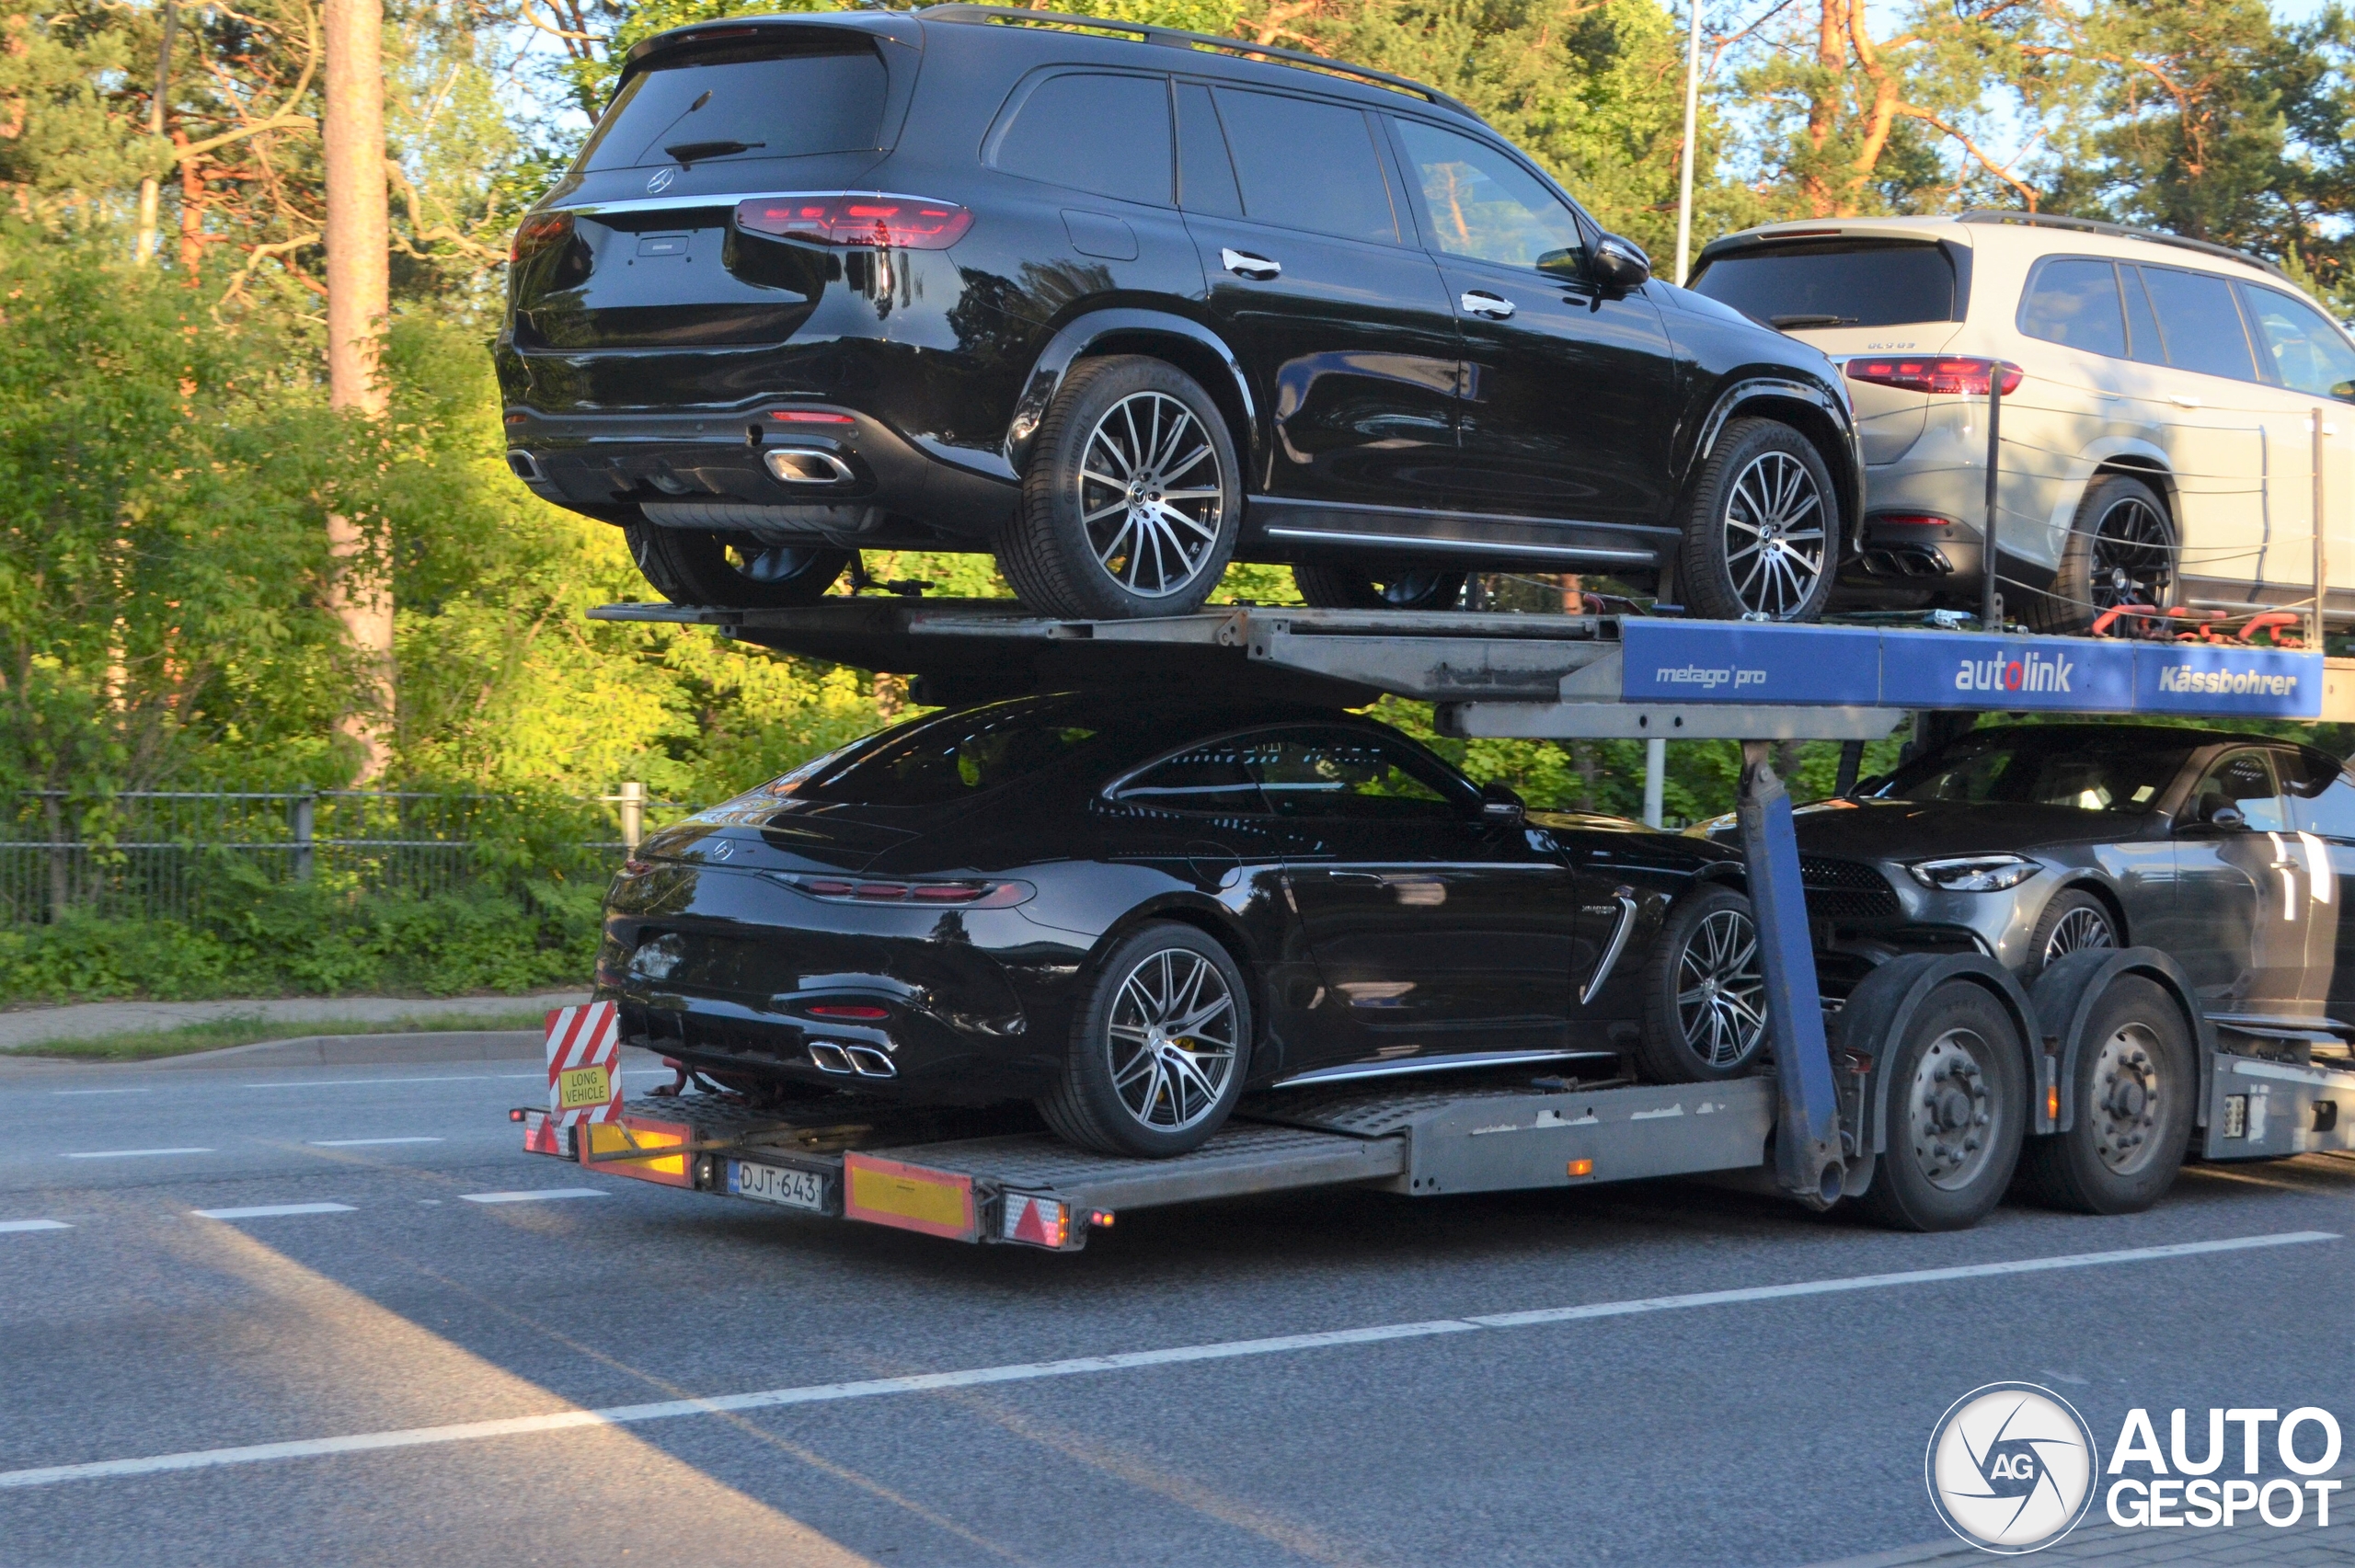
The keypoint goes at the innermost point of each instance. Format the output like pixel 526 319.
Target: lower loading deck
pixel 1031 1188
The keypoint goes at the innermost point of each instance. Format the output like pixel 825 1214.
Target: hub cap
pixel 1952 1114
pixel 2134 556
pixel 1173 1039
pixel 1150 494
pixel 1773 536
pixel 2129 1099
pixel 1720 993
pixel 2077 931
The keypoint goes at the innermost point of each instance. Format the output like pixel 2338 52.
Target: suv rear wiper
pixel 1779 322
pixel 688 151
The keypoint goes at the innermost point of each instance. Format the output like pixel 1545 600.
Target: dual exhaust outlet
pixel 790 465
pixel 863 1061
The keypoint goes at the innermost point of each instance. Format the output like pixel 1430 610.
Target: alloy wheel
pixel 2077 931
pixel 2129 1094
pixel 1720 989
pixel 2134 556
pixel 1173 1039
pixel 1951 1110
pixel 1150 494
pixel 1775 536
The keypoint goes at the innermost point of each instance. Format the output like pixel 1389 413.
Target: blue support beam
pixel 1806 1135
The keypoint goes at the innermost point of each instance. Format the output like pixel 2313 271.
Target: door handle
pixel 2180 401
pixel 1479 301
pixel 1243 264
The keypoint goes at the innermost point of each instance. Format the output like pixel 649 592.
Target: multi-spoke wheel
pixel 1954 1107
pixel 2120 551
pixel 1704 993
pixel 735 571
pixel 1354 588
pixel 2131 1093
pixel 2074 922
pixel 1132 496
pixel 1157 1055
pixel 1763 539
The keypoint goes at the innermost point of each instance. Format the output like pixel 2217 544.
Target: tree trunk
pixel 358 247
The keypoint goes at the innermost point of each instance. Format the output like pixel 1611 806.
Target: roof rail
pixel 2114 231
pixel 1175 38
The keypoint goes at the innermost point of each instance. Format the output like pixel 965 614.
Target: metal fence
pixel 159 853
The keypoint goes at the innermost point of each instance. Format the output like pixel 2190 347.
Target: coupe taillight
pixel 1941 375
pixel 535 234
pixel 960 895
pixel 846 218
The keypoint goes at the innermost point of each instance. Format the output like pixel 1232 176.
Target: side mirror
pixel 1621 263
pixel 2227 816
pixel 1499 806
pixel 2344 391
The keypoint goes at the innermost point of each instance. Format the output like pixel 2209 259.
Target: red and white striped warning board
pixel 584 1064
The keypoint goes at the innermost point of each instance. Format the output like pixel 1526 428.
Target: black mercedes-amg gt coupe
pixel 1129 911
pixel 1118 304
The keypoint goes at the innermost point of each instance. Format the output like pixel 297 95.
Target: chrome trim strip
pixel 1411 542
pixel 717 199
pixel 1427 1064
pixel 1611 954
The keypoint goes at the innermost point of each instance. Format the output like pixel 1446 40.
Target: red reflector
pixel 837 1011
pixel 1944 376
pixel 841 218
pixel 536 235
pixel 517 418
pixel 809 416
pixel 1101 1217
pixel 948 892
pixel 515 1115
pixel 830 889
pixel 880 890
pixel 1912 520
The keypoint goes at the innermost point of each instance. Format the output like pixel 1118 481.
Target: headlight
pixel 1974 873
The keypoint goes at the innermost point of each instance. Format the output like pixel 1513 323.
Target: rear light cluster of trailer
pixel 957 895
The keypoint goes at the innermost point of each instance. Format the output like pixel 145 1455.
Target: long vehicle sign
pixel 1688 661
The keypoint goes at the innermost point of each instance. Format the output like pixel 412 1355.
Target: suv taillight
pixel 537 234
pixel 1940 374
pixel 846 218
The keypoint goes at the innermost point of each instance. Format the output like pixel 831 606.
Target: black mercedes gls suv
pixel 1121 305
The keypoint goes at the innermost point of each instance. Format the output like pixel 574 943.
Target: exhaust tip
pixel 828 1057
pixel 868 1062
pixel 524 465
pixel 805 466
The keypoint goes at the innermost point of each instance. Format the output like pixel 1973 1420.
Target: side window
pixel 2305 352
pixel 2202 323
pixel 2143 343
pixel 2243 781
pixel 1350 774
pixel 1100 134
pixel 1480 203
pixel 2074 301
pixel 1205 174
pixel 1209 778
pixel 2322 794
pixel 1307 165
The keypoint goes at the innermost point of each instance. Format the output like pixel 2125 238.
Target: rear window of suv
pixel 1834 284
pixel 742 104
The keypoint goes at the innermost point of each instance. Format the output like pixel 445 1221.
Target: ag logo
pixel 660 180
pixel 2011 1467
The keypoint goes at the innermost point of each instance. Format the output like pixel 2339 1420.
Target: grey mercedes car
pixel 2233 852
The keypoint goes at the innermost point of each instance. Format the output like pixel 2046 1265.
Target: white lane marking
pixel 535 1196
pixel 34 1225
pixel 131 1153
pixel 271 1210
pixel 98 1091
pixel 826 1394
pixel 365 1142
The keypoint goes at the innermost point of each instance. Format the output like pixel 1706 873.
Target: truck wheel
pixel 1158 1051
pixel 1350 588
pixel 1705 994
pixel 2074 922
pixel 733 572
pixel 1131 500
pixel 1954 1103
pixel 1761 540
pixel 2133 1094
pixel 2121 550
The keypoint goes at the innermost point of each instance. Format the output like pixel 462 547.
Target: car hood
pixel 1918 830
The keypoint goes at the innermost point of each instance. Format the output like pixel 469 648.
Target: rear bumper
pixel 710 470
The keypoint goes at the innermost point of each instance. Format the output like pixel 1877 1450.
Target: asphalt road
pixel 1779 1430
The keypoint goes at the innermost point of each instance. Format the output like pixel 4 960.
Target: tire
pixel 1705 995
pixel 2135 1083
pixel 2121 550
pixel 1954 1136
pixel 1762 537
pixel 1353 588
pixel 733 572
pixel 1126 1087
pixel 2072 921
pixel 1069 548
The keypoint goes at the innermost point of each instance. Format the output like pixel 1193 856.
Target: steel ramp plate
pixel 1242 1157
